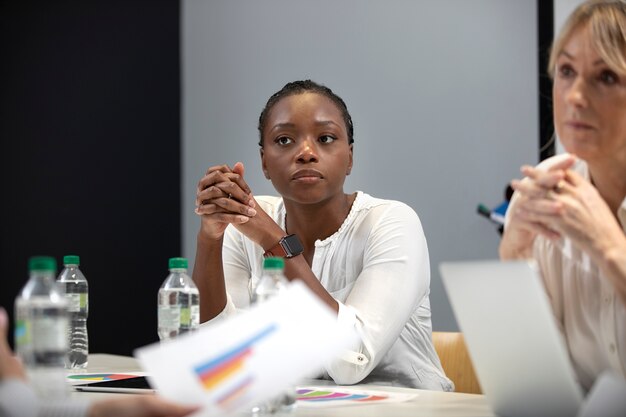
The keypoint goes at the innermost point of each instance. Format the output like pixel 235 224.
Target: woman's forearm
pixel 208 275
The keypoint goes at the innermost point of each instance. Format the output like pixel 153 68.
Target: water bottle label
pixel 22 332
pixel 195 316
pixel 169 317
pixel 50 334
pixel 190 316
pixel 185 316
pixel 76 302
pixel 73 302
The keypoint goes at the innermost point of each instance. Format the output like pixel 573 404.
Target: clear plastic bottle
pixel 178 303
pixel 41 323
pixel 77 295
pixel 272 283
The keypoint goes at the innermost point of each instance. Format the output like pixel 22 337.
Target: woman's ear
pixel 267 175
pixel 349 170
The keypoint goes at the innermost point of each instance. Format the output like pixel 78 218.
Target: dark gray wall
pixel 443 94
pixel 89 153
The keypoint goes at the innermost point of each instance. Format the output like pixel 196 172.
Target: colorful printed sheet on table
pixel 236 363
pixel 85 378
pixel 332 396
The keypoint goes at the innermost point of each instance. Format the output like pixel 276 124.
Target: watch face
pixel 292 245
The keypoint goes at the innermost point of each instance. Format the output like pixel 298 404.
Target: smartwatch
pixel 287 247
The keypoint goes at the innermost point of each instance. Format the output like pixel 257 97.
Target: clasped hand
pixel 223 197
pixel 558 202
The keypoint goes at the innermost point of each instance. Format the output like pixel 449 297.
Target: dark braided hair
pixel 305 86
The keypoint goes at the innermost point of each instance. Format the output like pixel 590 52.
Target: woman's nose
pixel 577 94
pixel 307 151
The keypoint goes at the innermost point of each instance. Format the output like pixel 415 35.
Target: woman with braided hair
pixel 366 258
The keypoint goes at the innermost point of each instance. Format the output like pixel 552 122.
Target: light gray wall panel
pixel 443 95
pixel 562 9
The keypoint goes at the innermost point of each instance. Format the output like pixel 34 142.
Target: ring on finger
pixel 559 187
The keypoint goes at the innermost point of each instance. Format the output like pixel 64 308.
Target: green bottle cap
pixel 71 260
pixel 273 263
pixel 178 263
pixel 42 263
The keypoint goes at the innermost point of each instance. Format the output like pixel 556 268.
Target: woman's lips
pixel 307 175
pixel 573 124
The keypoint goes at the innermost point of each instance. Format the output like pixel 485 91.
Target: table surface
pixel 426 403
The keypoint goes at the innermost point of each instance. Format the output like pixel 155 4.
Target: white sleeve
pixel 64 408
pixel 544 252
pixel 393 283
pixel 550 269
pixel 17 399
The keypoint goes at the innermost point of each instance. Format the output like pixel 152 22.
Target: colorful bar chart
pixel 229 368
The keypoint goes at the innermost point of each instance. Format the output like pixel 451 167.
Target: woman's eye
pixel 327 139
pixel 565 71
pixel 608 77
pixel 283 140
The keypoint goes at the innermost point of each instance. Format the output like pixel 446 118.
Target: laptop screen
pixel 517 350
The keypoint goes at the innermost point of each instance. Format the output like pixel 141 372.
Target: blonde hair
pixel 607 24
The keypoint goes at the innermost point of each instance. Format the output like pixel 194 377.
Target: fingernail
pixel 251 203
pixel 243 219
pixel 251 212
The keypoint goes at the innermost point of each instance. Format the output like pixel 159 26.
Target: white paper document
pixel 241 361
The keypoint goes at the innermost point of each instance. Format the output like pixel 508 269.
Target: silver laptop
pixel 519 355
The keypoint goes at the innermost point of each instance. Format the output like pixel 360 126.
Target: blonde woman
pixel 569 212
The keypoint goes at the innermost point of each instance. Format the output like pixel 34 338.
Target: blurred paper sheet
pixel 243 360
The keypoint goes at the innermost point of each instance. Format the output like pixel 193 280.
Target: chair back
pixel 455 360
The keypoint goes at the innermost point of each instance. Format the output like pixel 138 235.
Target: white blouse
pixel 376 266
pixel 590 314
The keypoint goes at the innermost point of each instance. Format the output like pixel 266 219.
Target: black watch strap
pixel 287 247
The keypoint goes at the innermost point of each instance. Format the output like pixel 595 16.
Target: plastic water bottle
pixel 77 295
pixel 41 323
pixel 272 283
pixel 179 302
